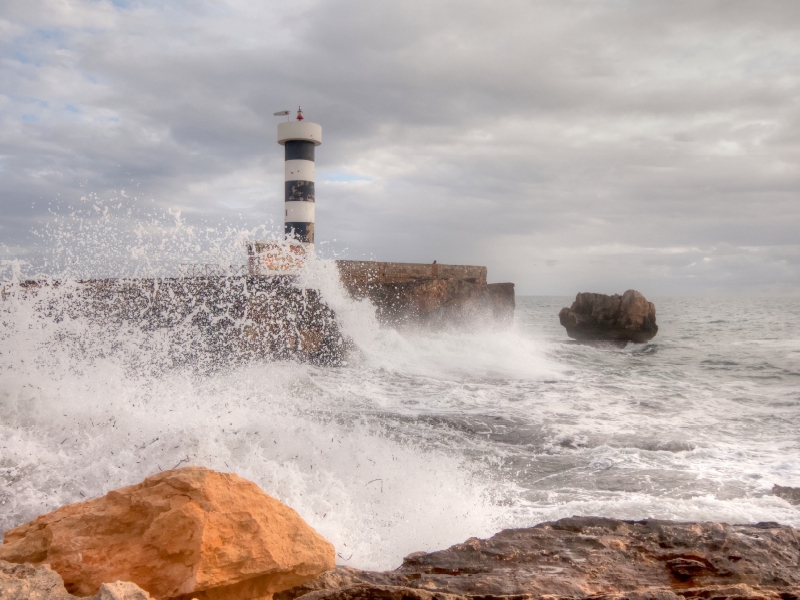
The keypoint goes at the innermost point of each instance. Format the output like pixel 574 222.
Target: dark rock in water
pixel 588 557
pixel 629 317
pixel 790 494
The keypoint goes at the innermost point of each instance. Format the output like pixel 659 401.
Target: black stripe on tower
pixel 299 191
pixel 299 150
pixel 302 232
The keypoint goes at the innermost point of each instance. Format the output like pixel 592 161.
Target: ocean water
pixel 426 439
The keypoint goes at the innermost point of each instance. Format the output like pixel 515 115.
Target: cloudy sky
pixel 591 145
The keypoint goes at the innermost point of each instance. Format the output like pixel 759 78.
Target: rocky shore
pixel 195 533
pixel 589 557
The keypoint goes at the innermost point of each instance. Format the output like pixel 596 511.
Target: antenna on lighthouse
pixel 282 113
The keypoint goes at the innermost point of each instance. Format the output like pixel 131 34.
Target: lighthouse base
pixel 276 258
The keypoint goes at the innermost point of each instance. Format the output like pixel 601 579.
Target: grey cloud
pixel 560 125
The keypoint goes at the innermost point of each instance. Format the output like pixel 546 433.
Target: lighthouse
pixel 299 139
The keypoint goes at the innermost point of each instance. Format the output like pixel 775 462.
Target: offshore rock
pixel 186 533
pixel 626 318
pixel 430 295
pixel 26 582
pixel 589 557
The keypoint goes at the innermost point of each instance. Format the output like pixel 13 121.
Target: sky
pixel 593 145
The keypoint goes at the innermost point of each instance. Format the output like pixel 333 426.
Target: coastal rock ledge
pixel 192 533
pixel 591 558
pixel 182 534
pixel 626 318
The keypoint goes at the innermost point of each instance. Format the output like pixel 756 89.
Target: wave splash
pixel 90 404
pixel 419 442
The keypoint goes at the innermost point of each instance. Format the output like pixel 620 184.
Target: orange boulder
pixel 188 532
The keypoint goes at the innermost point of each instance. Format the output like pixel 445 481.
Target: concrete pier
pixel 211 320
pixel 216 317
pixel 433 295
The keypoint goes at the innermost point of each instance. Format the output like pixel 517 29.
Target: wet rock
pixel 626 318
pixel 790 494
pixel 368 592
pixel 188 533
pixel 384 592
pixel 27 582
pixel 590 557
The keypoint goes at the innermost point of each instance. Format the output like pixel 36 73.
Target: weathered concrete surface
pixel 29 582
pixel 589 557
pixel 189 532
pixel 362 272
pixel 236 317
pixel 616 318
pixel 433 295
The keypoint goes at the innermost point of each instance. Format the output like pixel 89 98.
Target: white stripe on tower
pixel 299 170
pixel 298 212
pixel 299 140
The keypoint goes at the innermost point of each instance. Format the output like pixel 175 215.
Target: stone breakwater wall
pixel 433 295
pixel 218 318
pixel 213 318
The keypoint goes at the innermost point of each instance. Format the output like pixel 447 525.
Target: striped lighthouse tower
pixel 299 138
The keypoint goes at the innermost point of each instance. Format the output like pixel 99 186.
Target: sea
pixel 424 438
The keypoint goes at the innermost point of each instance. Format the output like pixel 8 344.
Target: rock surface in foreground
pixel 26 582
pixel 188 532
pixel 626 318
pixel 583 557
